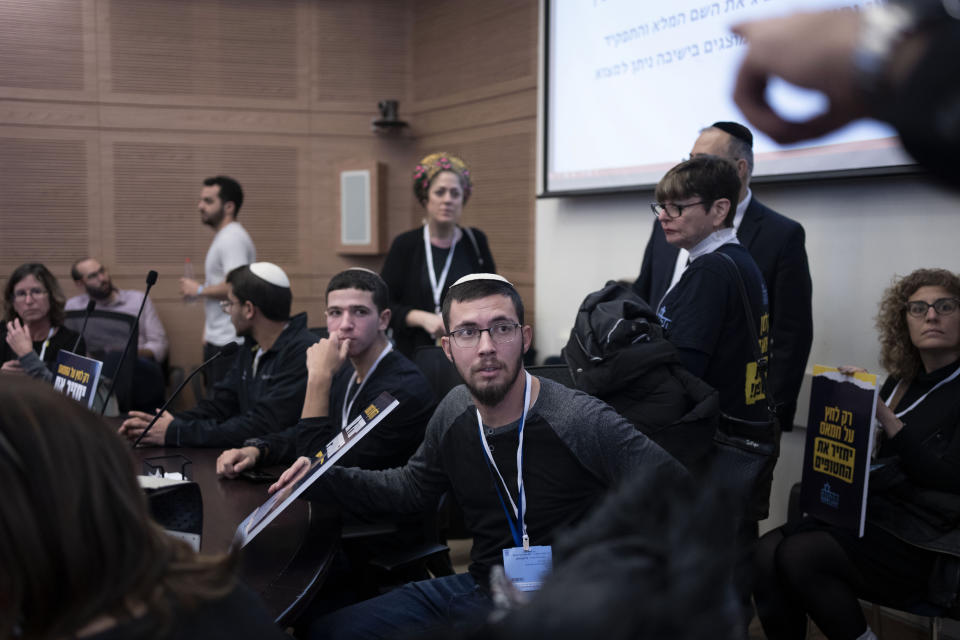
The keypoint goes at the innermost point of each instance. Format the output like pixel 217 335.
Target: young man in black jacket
pixel 263 391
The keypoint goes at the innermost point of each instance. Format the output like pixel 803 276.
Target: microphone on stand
pixel 151 280
pixel 86 316
pixel 228 350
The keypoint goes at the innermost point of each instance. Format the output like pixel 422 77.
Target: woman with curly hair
pixel 423 262
pixel 32 331
pixel 910 551
pixel 81 555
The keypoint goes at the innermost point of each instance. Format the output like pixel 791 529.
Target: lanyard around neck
pixel 46 343
pixel 518 519
pixel 436 285
pixel 900 414
pixel 345 410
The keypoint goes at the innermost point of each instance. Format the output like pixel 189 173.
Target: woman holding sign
pixel 423 262
pixel 32 331
pixel 910 551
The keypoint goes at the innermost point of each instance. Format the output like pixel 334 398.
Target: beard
pixel 100 293
pixel 492 394
pixel 213 219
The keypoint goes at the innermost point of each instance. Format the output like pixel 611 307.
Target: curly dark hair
pixel 49 282
pixel 897 353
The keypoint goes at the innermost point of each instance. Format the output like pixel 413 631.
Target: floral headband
pixel 429 167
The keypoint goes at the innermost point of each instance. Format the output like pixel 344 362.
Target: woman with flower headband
pixel 424 261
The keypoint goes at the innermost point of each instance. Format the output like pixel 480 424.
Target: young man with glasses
pixel 263 391
pixel 524 457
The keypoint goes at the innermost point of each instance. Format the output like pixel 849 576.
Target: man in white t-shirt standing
pixel 220 201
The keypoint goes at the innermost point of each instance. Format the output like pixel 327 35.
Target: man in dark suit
pixel 777 246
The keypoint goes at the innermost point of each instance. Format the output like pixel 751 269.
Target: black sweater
pixel 405 272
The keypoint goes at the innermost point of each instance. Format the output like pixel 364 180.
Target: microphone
pixel 151 280
pixel 86 316
pixel 227 350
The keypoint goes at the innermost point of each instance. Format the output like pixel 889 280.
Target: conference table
pixel 288 561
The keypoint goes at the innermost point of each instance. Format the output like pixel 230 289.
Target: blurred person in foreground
pixel 80 553
pixel 897 61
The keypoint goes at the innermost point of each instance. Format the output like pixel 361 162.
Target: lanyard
pixel 46 343
pixel 924 396
pixel 436 286
pixel 519 517
pixel 345 411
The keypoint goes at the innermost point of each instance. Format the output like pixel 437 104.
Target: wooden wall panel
pixel 209 52
pixel 156 187
pixel 113 111
pixel 42 45
pixel 361 53
pixel 44 197
pixel 461 45
pixel 474 95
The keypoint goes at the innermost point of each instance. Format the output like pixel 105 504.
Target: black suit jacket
pixel 777 245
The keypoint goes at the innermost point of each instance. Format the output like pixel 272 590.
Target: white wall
pixel 860 232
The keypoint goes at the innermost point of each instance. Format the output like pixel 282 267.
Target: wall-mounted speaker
pixel 362 202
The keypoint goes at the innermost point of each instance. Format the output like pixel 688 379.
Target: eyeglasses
pixel 500 333
pixel 943 307
pixel 35 292
pixel 672 210
pixel 226 305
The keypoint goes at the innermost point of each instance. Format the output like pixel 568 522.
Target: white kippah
pixel 481 276
pixel 370 271
pixel 271 273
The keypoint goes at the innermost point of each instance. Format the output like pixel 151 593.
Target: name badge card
pixel 527 569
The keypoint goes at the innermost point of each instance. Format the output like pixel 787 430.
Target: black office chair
pixel 105 336
pixel 437 369
pixel 556 372
pixel 922 608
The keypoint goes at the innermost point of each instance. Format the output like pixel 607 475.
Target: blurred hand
pixel 291 475
pixel 848 370
pixel 133 426
pixel 809 50
pixel 232 461
pixel 18 338
pixel 327 356
pixel 189 287
pixel 432 323
pixel 12 366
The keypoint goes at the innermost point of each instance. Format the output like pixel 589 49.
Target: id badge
pixel 527 569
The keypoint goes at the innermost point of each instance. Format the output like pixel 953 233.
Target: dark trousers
pixel 216 370
pixel 428 606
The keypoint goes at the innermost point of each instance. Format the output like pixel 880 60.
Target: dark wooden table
pixel 288 561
